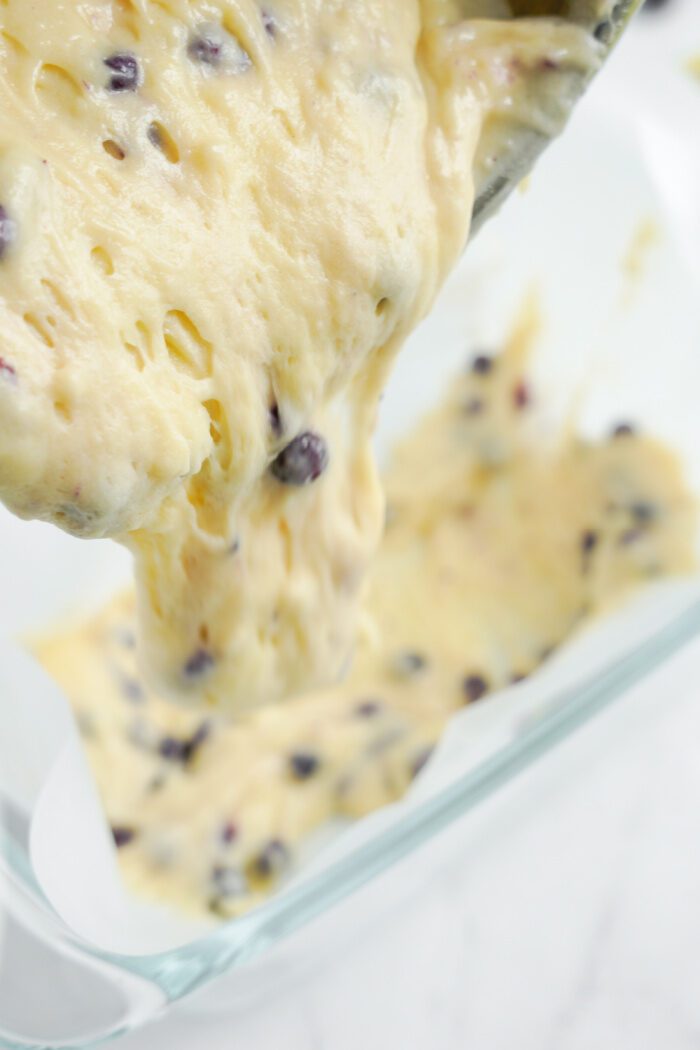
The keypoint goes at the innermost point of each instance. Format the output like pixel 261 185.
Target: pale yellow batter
pixel 498 545
pixel 218 222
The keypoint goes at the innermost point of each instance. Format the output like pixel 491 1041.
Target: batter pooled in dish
pixel 497 547
pixel 218 222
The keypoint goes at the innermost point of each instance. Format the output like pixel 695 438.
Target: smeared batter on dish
pixel 498 545
pixel 219 220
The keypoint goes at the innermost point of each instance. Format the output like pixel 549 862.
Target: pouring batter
pixel 218 223
pixel 498 545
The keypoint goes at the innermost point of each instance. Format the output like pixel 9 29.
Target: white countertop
pixel 572 919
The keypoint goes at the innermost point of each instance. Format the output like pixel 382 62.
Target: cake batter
pixel 219 220
pixel 498 545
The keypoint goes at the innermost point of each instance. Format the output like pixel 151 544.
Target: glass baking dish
pixel 604 235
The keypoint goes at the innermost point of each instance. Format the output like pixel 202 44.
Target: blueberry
pixel 272 859
pixel 172 748
pixel 303 764
pixel 193 744
pixel 210 45
pixel 603 32
pixel 228 881
pixel 229 832
pixel 126 72
pixel 302 461
pixel 199 663
pixel 123 836
pixel 409 663
pixel 623 430
pixel 175 749
pixel 8 372
pixel 643 512
pixel 521 395
pixel 474 686
pixel 482 364
pixel 368 708
pixel 269 23
pixel 204 47
pixel 275 419
pixel 589 541
pixel 654 5
pixel 8 231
